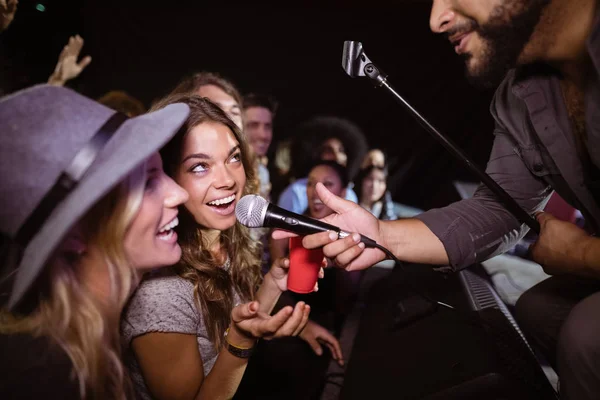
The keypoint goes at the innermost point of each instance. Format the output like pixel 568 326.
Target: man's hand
pixel 562 247
pixel 350 217
pixel 8 9
pixel 67 67
pixel 315 335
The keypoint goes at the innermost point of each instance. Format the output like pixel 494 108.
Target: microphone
pixel 255 212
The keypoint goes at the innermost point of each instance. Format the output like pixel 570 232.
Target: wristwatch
pixel 240 352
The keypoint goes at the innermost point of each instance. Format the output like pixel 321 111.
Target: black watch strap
pixel 240 352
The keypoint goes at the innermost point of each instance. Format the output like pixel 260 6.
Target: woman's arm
pixel 172 365
pixel 268 294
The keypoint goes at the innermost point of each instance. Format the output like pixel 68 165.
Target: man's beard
pixel 503 38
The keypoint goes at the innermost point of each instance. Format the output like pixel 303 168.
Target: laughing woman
pixel 188 339
pixel 84 204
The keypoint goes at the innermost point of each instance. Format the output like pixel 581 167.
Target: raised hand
pixel 68 67
pixel 315 335
pixel 8 9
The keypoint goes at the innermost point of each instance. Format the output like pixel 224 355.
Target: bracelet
pixel 240 352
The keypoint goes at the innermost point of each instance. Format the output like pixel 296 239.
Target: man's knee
pixel 579 339
pixel 578 351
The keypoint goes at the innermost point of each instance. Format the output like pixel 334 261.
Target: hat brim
pixel 134 142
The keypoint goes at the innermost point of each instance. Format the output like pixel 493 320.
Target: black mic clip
pixel 356 63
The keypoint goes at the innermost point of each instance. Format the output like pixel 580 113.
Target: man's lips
pixel 459 41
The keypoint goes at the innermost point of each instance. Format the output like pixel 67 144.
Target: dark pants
pixel 561 315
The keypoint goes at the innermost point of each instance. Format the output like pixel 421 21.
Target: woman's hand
pixel 315 335
pixel 278 273
pixel 248 323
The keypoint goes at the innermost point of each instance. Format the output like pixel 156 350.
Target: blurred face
pixel 375 158
pixel 212 172
pixel 259 129
pixel 333 150
pixel 492 35
pixel 150 240
pixel 226 102
pixel 373 186
pixel 331 180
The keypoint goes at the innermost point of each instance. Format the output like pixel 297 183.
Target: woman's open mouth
pixel 224 206
pixel 167 232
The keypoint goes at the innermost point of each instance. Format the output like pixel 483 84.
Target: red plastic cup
pixel 304 266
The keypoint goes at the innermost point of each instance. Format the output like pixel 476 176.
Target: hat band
pixel 69 178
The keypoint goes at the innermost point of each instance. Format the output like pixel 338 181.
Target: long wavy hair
pixel 212 284
pixel 62 308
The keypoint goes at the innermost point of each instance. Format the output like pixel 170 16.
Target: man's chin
pixel 483 76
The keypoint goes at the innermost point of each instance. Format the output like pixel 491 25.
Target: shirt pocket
pixel 537 160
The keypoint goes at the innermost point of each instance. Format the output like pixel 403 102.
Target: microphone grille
pixel 250 211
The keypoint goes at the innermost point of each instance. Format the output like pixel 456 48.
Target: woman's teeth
pixel 169 226
pixel 166 237
pixel 222 201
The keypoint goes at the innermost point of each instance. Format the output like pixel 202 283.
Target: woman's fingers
pixel 315 345
pixel 292 323
pixel 244 311
pixel 304 321
pixel 282 263
pixel 336 350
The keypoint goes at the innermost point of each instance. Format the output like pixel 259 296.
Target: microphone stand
pixel 356 64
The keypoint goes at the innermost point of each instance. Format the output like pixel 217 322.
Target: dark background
pixel 292 51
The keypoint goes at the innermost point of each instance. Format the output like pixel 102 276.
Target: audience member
pixel 218 89
pixel 371 185
pixel 374 157
pixel 223 93
pixel 259 112
pixel 120 101
pixel 322 138
pixel 188 336
pixel 84 207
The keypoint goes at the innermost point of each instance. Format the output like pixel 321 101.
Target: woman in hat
pixel 186 342
pixel 84 208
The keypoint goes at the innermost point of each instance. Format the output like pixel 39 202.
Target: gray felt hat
pixel 61 152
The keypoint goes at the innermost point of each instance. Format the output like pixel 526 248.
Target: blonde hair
pixel 212 284
pixel 84 326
